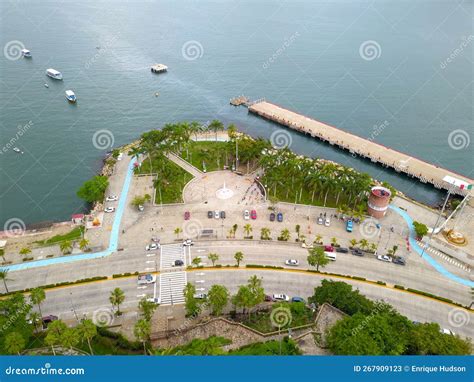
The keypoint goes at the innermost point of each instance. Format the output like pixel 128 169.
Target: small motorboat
pixel 17 150
pixel 46 85
pixel 26 53
pixel 70 96
pixel 54 74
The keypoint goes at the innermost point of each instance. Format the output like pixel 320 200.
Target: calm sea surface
pixel 304 55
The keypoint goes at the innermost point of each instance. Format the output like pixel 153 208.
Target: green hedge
pixel 127 274
pixel 399 287
pixel 263 266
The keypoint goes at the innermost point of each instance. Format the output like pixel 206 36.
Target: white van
pixel 330 255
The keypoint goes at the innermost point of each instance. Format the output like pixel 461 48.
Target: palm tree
pixel 87 330
pixel 317 258
pixel 83 244
pixel 4 277
pixel 216 126
pixel 334 241
pixel 265 233
pixel 35 319
pixel 318 239
pixel 248 230
pixel 14 343
pixel 239 256
pixel 54 333
pixel 177 232
pixel 234 229
pixel 298 229
pixel 353 242
pixel 135 152
pixel 373 247
pixel 70 338
pixel 394 250
pixel 364 243
pixel 213 257
pixel 37 296
pixel 142 332
pixel 25 251
pixel 65 247
pixel 196 261
pixel 116 298
pixel 285 235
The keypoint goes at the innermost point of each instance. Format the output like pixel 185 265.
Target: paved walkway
pixel 185 165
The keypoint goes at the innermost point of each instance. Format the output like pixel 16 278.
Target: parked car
pixel 327 222
pixel 292 262
pixel 120 156
pixel 447 331
pixel 342 250
pixel 349 226
pixel 357 252
pixel 146 279
pixel 222 214
pixel 188 242
pixel 320 220
pixel 152 247
pixel 109 209
pixel 330 255
pixel 210 214
pixel 268 298
pixel 281 297
pixel 46 320
pixel 399 260
pixel 280 217
pixel 200 296
pixel 246 215
pixel 253 214
pixel 385 258
pixel 111 198
pixel 141 207
pixel 154 300
pixel 216 214
pixel 297 299
pixel 328 248
pixel 272 217
pixel 178 263
pixel 187 215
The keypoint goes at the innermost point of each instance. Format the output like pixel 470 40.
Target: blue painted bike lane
pixel 113 241
pixel 414 244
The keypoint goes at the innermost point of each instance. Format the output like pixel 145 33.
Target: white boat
pixel 70 96
pixel 17 150
pixel 26 53
pixel 54 74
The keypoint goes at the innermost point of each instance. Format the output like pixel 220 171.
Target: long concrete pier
pixel 423 171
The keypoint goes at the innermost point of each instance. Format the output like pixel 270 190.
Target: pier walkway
pixel 423 171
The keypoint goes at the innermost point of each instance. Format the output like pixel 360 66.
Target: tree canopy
pixel 93 190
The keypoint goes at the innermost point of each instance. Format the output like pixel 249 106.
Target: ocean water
pixel 397 72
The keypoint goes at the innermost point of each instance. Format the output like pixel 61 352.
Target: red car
pixel 253 214
pixel 328 248
pixel 187 215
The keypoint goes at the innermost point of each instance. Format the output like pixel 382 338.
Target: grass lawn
pixel 214 154
pixel 300 315
pixel 71 235
pixel 171 179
